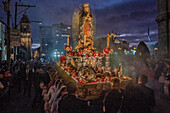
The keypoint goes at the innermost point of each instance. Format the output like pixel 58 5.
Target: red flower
pixel 107 51
pixel 68 48
pixel 87 55
pixel 100 54
pixel 79 54
pixel 63 58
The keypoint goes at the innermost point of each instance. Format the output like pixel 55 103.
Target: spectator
pixel 144 69
pixel 37 97
pixel 113 99
pixel 27 73
pixel 47 76
pixel 3 85
pixel 56 98
pixel 147 95
pixel 52 79
pixel 131 99
pixel 157 72
pixel 49 97
pixel 161 81
pixel 166 86
pixel 151 75
pixel 71 104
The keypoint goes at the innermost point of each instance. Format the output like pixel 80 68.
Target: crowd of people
pixel 61 97
pixel 158 73
pixel 56 96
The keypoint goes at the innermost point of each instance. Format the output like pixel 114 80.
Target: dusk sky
pixel 128 18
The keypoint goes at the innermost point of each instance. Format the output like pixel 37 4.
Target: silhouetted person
pixel 27 79
pixel 38 92
pixel 47 76
pixel 113 98
pixel 147 94
pixel 131 99
pixel 71 104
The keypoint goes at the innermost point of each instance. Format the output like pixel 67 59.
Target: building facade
pixel 26 39
pixel 54 38
pixel 46 40
pixel 3 55
pixel 163 20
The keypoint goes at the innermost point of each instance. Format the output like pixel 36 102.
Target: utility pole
pixel 15 15
pixel 16 11
pixel 7 9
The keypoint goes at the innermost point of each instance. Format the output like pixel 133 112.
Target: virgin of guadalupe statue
pixel 87 18
pixel 86 27
pixel 86 31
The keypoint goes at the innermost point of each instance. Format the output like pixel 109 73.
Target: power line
pixel 16 10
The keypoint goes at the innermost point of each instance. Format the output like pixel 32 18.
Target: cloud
pixel 121 16
pixel 130 17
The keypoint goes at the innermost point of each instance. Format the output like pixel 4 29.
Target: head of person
pixel 162 74
pixel 40 71
pixel 53 73
pixel 56 77
pixel 27 66
pixel 1 75
pixel 115 83
pixel 143 79
pixel 150 68
pixel 166 78
pixel 71 88
pixel 49 69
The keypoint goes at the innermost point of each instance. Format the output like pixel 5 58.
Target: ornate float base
pixel 86 91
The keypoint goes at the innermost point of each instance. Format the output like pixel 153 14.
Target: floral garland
pixel 88 53
pixel 107 51
pixel 99 79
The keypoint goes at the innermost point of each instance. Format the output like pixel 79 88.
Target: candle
pixel 108 42
pixel 67 41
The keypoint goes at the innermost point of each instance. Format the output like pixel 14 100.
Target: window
pixel 56 42
pixel 57 34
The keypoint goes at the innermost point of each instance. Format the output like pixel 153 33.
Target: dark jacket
pixel 46 78
pixel 132 101
pixel 148 96
pixel 113 101
pixel 30 75
pixel 138 99
pixel 70 104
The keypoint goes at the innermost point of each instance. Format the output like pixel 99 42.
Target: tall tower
pixel 163 20
pixel 25 28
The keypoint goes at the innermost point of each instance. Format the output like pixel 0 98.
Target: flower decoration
pixel 63 58
pixel 79 54
pixel 87 55
pixel 94 54
pixel 68 48
pixel 100 54
pixel 107 51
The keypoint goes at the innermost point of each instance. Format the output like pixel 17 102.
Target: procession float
pixel 84 65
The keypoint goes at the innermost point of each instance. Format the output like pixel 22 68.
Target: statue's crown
pixel 86 5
